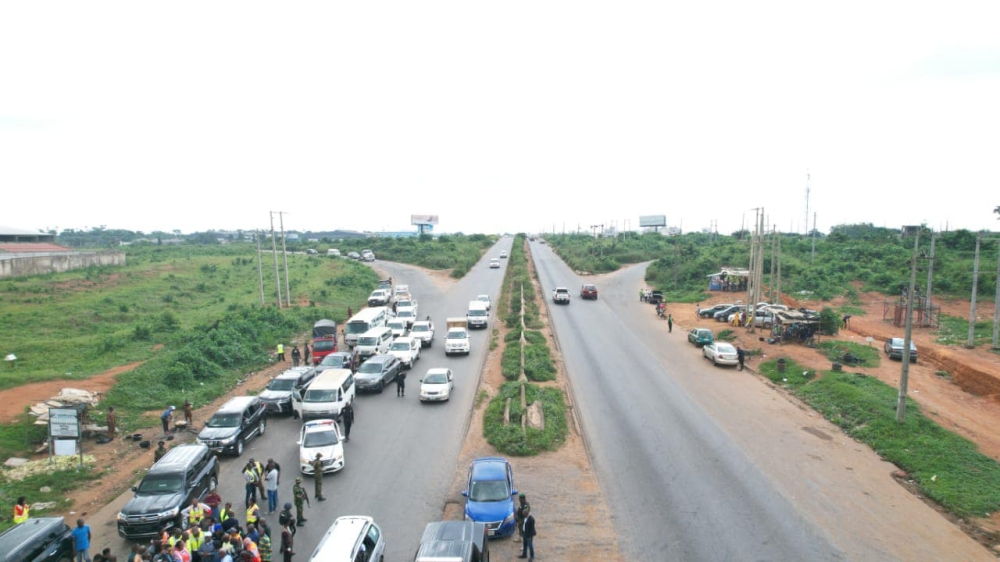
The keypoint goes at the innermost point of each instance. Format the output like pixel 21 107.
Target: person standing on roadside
pixel 670 323
pixel 401 383
pixel 188 413
pixel 347 414
pixel 300 496
pixel 529 535
pixel 741 356
pixel 161 449
pixel 296 356
pixel 111 420
pixel 286 544
pixel 285 518
pixel 306 352
pixel 317 465
pixel 350 313
pixel 165 418
pixel 271 483
pixel 250 478
pixel 522 511
pixel 81 542
pixel 281 352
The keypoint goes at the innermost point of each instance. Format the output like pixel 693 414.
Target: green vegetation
pixel 509 439
pixel 947 467
pixel 516 279
pixel 726 335
pixel 834 350
pixel 876 257
pixel 538 365
pixel 955 331
pixel 510 361
pixel 458 252
pixel 60 482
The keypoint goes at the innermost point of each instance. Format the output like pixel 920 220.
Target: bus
pixel 364 320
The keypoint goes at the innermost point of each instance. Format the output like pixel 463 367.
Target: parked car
pixel 726 314
pixel 485 299
pixel 588 291
pixel 185 473
pixel 457 341
pixel 323 437
pixel 277 397
pixel 407 315
pixel 494 263
pixel 398 327
pixel 656 297
pixel 894 349
pixel 423 331
pixel 338 360
pixel 701 336
pixel 333 253
pixel 354 255
pixel 379 297
pixel 710 311
pixel 560 295
pixel 458 541
pixel 311 252
pixel 406 349
pixel 437 385
pixel 720 353
pixel 490 494
pixel 355 538
pixel 38 539
pixel 376 372
pixel 239 420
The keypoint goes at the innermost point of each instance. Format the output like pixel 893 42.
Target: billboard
pixel 423 219
pixel 653 220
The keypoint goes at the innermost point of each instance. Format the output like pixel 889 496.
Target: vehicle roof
pixel 722 344
pixel 558 289
pixel 590 285
pixel 435 370
pixel 319 425
pixel 325 323
pixel 406 339
pixel 397 321
pixel 366 314
pixel 422 323
pixel 17 536
pixel 380 358
pixel 489 468
pixel 477 304
pixel 375 331
pixel 340 540
pixel 700 330
pixel 330 378
pixel 237 404
pixel 405 311
pixel 178 457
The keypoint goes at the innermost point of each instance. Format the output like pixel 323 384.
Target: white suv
pixel 406 349
pixel 323 437
pixel 457 341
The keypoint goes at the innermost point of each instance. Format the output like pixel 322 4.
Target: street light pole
pixel 975 289
pixel 907 338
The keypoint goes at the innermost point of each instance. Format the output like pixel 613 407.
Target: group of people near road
pixel 297 356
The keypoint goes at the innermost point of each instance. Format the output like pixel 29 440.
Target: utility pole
pixel 975 288
pixel 908 336
pixel 284 254
pixel 260 268
pixel 274 252
pixel 807 202
pixel 777 290
pixel 774 240
pixel 996 300
pixel 930 277
pixel 812 257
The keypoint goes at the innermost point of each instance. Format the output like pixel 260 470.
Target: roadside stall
pixel 729 279
pixel 801 326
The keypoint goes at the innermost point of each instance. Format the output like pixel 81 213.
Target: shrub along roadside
pixel 510 439
pixel 946 466
pixel 458 252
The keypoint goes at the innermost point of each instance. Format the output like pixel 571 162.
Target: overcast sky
pixel 502 116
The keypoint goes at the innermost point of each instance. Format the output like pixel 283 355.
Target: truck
pixel 324 339
pixel 478 315
pixel 457 338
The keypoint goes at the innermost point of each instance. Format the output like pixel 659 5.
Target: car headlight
pixel 304 461
pixel 339 457
pixel 121 516
pixel 508 519
pixel 170 513
pixel 228 441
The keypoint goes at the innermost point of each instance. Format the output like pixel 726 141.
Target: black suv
pixel 277 398
pixel 185 473
pixel 376 372
pixel 38 538
pixel 236 422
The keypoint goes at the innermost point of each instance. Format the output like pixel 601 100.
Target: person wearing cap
pixel 161 449
pixel 522 508
pixel 317 465
pixel 165 418
pixel 285 518
pixel 300 495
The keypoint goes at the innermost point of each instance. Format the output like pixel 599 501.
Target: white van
pixel 375 342
pixel 365 320
pixel 325 396
pixel 478 315
pixel 351 538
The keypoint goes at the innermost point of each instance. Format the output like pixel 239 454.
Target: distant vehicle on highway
pixel 437 385
pixel 588 291
pixel 560 295
pixel 494 263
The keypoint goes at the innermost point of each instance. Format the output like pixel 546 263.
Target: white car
pixel 401 290
pixel 503 255
pixel 406 349
pixel 485 299
pixel 333 252
pixel 408 303
pixel 397 326
pixel 560 295
pixel 494 263
pixel 379 297
pixel 407 315
pixel 720 353
pixel 436 385
pixel 457 341
pixel 423 331
pixel 323 437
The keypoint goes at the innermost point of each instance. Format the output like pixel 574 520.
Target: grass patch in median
pixel 510 361
pixel 946 466
pixel 538 365
pixel 509 439
pixel 834 350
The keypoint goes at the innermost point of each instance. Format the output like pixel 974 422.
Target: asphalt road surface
pixel 678 487
pixel 400 461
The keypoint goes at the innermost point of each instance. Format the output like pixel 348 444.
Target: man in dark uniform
pixel 741 356
pixel 401 383
pixel 161 450
pixel 317 465
pixel 306 352
pixel 529 535
pixel 347 414
pixel 300 495
pixel 286 543
pixel 285 518
pixel 520 514
pixel 296 355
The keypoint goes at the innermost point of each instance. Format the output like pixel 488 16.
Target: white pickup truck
pixel 457 339
pixel 560 295
pixel 423 331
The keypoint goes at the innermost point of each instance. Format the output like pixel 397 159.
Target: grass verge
pixel 509 439
pixel 834 350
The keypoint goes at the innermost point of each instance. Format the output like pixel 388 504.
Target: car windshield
pixel 483 298
pixel 725 348
pixel 371 367
pixel 400 346
pixel 401 303
pixel 323 345
pixel 457 335
pixel 161 484
pixel 281 384
pixel 333 360
pixel 366 340
pixel 357 327
pixel 489 491
pixel 397 324
pixel 224 420
pixel 436 378
pixel 320 395
pixel 562 290
pixel 420 328
pixel 405 314
pixel 477 312
pixel 320 439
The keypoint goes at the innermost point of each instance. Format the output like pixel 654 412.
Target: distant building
pixel 24 253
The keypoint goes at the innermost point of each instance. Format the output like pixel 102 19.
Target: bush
pixel 510 439
pixel 829 321
pixel 538 364
pixel 510 362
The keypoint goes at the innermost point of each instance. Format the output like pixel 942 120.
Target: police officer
pixel 347 414
pixel 401 383
pixel 300 495
pixel 285 518
pixel 317 465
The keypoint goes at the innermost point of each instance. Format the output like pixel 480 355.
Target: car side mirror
pixel 421 380
pixel 298 442
pixel 135 488
pixel 513 492
pixel 465 493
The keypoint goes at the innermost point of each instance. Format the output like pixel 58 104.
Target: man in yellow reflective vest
pixel 194 513
pixel 21 509
pixel 253 513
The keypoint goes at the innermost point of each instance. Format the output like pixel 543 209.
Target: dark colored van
pixel 185 473
pixel 463 541
pixel 37 539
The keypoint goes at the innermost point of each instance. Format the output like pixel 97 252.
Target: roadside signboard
pixel 653 220
pixel 423 219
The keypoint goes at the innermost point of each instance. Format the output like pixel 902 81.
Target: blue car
pixel 490 492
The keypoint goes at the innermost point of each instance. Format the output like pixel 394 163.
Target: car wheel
pixel 263 426
pixel 714 362
pixel 239 448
